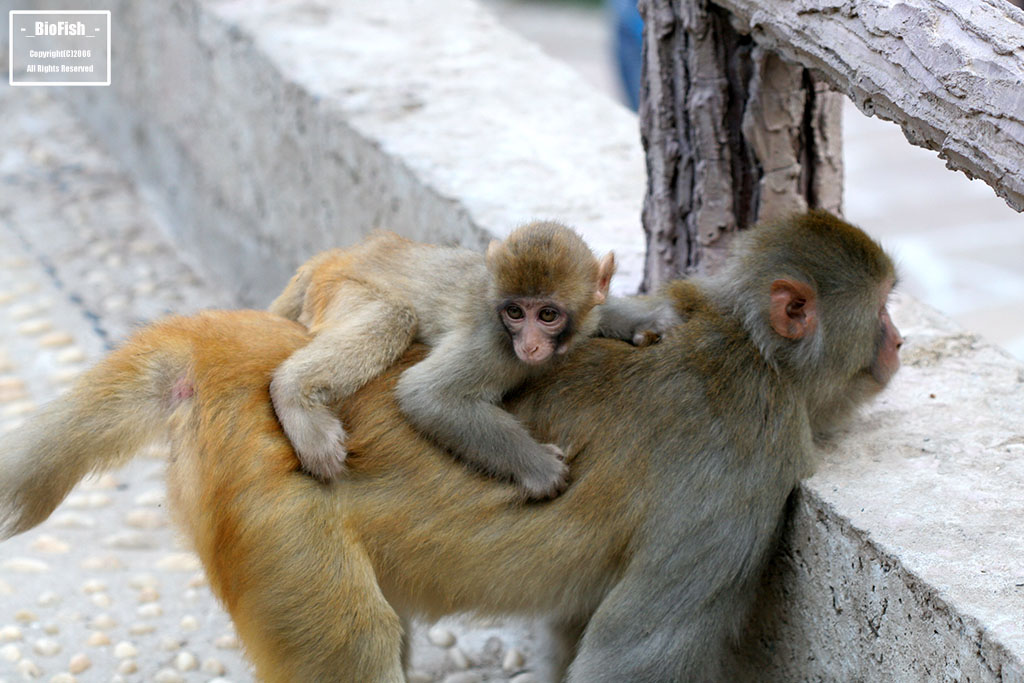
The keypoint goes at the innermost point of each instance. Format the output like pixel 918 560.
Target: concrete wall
pixel 272 130
pixel 268 130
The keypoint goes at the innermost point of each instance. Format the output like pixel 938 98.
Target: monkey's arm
pixel 640 320
pixel 451 396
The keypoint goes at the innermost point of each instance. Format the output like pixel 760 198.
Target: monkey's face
pixel 887 344
pixel 535 326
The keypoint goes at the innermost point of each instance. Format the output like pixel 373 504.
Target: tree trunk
pixel 733 135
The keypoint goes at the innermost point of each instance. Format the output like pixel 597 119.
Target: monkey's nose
pixel 535 354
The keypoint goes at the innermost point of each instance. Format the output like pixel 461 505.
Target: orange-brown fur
pixel 292 558
pixel 316 575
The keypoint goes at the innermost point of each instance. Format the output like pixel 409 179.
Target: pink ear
pixel 794 309
pixel 605 270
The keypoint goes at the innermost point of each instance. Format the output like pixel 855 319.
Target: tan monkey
pixel 683 455
pixel 491 322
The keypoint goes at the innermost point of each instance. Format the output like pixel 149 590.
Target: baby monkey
pixel 491 321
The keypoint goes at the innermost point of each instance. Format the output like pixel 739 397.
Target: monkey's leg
pixel 289 303
pixel 363 333
pixel 305 599
pixel 649 630
pixel 405 650
pixel 565 639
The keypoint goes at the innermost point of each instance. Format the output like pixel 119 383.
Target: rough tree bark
pixel 949 72
pixel 733 135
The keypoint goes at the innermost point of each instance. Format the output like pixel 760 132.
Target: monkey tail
pixel 110 413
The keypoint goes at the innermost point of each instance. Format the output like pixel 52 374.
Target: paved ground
pixel 103 589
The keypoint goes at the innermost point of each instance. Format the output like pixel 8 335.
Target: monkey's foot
pixel 323 463
pixel 549 474
pixel 319 442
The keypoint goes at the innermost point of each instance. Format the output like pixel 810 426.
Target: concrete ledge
pixel 269 130
pixel 272 130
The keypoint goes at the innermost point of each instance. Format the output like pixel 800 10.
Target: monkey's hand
pixel 640 320
pixel 548 474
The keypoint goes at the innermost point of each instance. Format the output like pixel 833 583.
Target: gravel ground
pixel 105 590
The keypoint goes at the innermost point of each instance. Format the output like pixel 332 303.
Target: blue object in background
pixel 629 29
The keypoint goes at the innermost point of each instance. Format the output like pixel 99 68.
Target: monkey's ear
pixel 605 270
pixel 793 311
pixel 493 249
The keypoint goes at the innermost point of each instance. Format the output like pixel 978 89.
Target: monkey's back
pixel 442 285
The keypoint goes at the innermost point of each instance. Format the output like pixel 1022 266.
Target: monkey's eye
pixel 548 315
pixel 514 312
